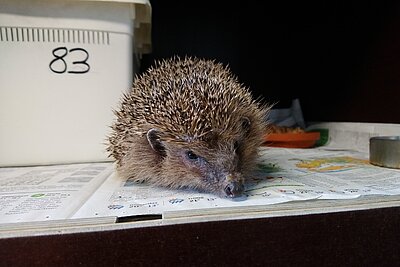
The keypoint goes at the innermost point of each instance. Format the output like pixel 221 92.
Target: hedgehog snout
pixel 233 187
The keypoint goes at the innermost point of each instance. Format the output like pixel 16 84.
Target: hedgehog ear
pixel 245 124
pixel 153 137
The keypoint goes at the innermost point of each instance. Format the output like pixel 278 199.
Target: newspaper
pixel 285 175
pixel 93 190
pixel 43 193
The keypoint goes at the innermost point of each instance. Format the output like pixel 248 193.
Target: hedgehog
pixel 188 123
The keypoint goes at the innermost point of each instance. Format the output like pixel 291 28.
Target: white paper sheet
pixel 93 190
pixel 48 192
pixel 288 175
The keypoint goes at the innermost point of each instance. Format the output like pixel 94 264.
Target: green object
pixel 323 136
pixel 269 167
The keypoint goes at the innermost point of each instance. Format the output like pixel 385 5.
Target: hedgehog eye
pixel 191 155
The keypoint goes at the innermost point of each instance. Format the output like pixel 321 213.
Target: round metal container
pixel 384 151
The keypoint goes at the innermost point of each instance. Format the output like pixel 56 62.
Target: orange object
pixel 292 140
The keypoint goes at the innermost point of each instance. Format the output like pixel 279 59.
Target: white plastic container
pixel 63 68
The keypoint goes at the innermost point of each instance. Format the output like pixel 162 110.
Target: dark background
pixel 340 58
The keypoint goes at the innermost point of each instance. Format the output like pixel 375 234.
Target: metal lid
pixel 384 151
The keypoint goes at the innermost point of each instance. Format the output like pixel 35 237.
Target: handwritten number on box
pixel 59 64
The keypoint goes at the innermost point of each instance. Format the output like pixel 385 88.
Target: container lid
pixel 384 151
pixel 21 13
pixel 142 18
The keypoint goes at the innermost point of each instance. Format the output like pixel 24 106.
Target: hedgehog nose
pixel 233 189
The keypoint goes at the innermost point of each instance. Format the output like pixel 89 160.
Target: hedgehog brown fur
pixel 188 123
